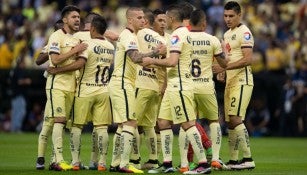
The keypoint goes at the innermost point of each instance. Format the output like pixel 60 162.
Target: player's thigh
pixel 165 111
pixel 238 98
pixel 101 110
pixel 207 106
pixel 82 110
pixel 147 107
pixel 123 104
pixel 60 102
pixel 182 106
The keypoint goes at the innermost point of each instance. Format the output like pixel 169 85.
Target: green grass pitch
pixel 273 156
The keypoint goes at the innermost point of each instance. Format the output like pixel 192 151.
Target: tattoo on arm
pixel 137 57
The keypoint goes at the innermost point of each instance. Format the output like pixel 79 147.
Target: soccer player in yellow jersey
pixel 206 48
pixel 159 26
pixel 148 88
pixel 92 98
pixel 122 88
pixel 239 44
pixel 60 88
pixel 177 105
pixel 48 121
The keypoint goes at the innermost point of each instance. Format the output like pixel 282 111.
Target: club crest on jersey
pixel 247 36
pixel 174 39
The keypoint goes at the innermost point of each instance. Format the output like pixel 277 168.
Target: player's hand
pixel 221 77
pixel 162 49
pixel 216 68
pixel 52 70
pixel 147 61
pixel 80 47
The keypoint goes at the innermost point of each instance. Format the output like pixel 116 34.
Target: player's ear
pixel 64 20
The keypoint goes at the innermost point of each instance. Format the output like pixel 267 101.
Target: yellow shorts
pixel 236 100
pixel 146 104
pixel 123 103
pixel 59 102
pixel 94 108
pixel 206 106
pixel 177 106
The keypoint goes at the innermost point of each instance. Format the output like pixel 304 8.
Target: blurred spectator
pixel 34 118
pixel 258 118
pixel 18 82
pixel 5 120
pixel 6 54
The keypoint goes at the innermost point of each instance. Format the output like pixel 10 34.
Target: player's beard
pixel 74 28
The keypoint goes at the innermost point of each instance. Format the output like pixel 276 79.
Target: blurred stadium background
pixel 278 106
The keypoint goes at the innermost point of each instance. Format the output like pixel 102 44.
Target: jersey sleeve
pixel 85 53
pixel 217 47
pixel 130 42
pixel 54 43
pixel 247 39
pixel 176 42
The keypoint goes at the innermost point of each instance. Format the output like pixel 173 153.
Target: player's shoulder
pixel 58 33
pixel 83 35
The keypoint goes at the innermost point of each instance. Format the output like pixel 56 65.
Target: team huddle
pixel 158 80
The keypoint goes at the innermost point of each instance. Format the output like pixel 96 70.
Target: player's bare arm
pixel 221 59
pixel 245 61
pixel 137 57
pixel 111 35
pixel 42 58
pixel 60 58
pixel 78 64
pixel 171 61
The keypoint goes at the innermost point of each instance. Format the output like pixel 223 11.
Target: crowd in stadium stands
pixel 278 105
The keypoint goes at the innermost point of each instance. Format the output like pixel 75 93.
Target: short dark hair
pixel 58 24
pixel 233 5
pixel 186 9
pixel 149 15
pixel 197 16
pixel 100 24
pixel 89 17
pixel 158 12
pixel 175 12
pixel 67 9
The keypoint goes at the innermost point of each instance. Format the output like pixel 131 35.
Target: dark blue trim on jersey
pixel 73 110
pixel 51 103
pixel 52 52
pixel 240 100
pixel 244 47
pixel 126 104
pixel 183 105
pixel 175 51
pixel 136 92
pixel 111 108
pixel 80 81
pixel 123 71
pixel 246 74
pixel 179 75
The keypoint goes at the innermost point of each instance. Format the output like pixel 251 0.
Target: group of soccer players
pixel 158 80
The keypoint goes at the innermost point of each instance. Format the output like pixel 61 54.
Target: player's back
pixel 95 75
pixel 179 77
pixel 205 47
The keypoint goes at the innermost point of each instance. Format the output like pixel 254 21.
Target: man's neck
pixel 175 25
pixel 68 30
